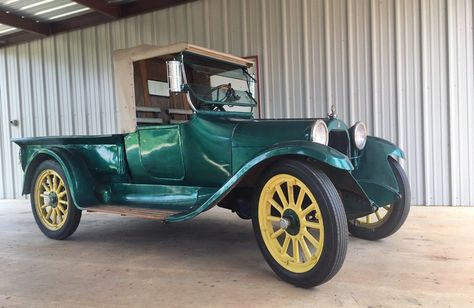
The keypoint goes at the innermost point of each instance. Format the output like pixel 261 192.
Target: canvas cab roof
pixel 150 51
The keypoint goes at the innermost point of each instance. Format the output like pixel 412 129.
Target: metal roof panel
pixel 43 10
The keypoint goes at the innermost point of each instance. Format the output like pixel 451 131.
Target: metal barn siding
pixel 461 101
pixel 406 67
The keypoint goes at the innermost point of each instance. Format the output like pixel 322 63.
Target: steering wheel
pixel 229 96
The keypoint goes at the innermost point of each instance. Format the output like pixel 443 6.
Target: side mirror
pixel 175 76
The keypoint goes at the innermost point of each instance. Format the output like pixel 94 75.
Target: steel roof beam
pixel 111 10
pixel 20 22
pixel 102 11
pixel 143 6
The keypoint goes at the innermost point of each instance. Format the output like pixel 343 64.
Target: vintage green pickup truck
pixel 193 143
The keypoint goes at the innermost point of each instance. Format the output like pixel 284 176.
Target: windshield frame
pixel 205 61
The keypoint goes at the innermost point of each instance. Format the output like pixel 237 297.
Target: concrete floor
pixel 214 261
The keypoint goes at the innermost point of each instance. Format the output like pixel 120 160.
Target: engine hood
pixel 264 133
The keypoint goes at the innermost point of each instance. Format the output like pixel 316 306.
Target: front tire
pixel 300 224
pixel 387 219
pixel 51 203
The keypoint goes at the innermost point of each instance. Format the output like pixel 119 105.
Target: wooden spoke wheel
pixel 299 223
pixel 51 199
pixel 53 210
pixel 375 219
pixel 291 227
pixel 389 218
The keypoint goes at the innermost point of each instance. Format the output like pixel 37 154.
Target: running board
pixel 132 211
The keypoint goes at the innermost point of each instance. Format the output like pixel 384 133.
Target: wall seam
pixel 448 98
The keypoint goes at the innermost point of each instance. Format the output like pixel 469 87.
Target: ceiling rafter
pixel 102 12
pixel 24 23
pixel 142 6
pixel 111 10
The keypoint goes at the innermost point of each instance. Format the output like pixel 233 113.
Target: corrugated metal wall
pixel 403 66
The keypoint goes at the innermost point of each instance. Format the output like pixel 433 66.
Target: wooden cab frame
pixel 125 66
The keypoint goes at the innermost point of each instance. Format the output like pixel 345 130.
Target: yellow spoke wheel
pixel 375 219
pixel 51 199
pixel 291 223
pixel 299 223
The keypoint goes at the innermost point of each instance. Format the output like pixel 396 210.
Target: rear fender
pixel 81 182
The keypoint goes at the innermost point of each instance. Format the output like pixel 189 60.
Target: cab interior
pixel 154 104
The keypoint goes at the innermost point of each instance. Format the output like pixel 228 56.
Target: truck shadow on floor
pixel 208 239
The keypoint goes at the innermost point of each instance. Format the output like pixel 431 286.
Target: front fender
pixel 81 182
pixel 302 149
pixel 316 151
pixel 374 173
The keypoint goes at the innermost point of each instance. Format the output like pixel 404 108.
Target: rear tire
pixel 394 215
pixel 51 203
pixel 316 226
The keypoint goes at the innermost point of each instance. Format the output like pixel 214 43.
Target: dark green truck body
pixel 192 166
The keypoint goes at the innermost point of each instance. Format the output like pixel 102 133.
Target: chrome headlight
pixel 320 132
pixel 359 135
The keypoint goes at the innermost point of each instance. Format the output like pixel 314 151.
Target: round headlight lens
pixel 320 133
pixel 359 135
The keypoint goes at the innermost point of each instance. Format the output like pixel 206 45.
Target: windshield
pixel 219 86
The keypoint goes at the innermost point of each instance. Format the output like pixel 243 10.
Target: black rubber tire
pixel 334 219
pixel 74 215
pixel 399 213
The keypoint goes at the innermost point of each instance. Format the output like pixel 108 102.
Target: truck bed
pixel 55 140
